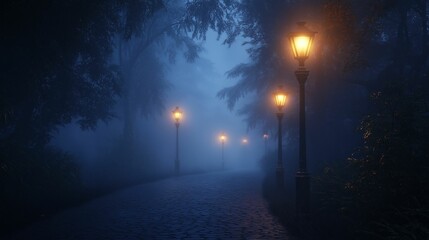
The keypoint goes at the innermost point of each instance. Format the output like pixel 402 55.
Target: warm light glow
pixel 222 138
pixel 244 141
pixel 301 42
pixel 301 46
pixel 280 98
pixel 177 114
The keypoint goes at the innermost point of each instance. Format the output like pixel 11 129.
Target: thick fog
pixel 193 88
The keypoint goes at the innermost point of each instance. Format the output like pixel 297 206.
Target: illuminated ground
pixel 221 205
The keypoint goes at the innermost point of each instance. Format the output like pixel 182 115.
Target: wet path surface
pixel 221 205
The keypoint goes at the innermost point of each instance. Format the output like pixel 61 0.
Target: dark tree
pixel 55 70
pixel 142 60
pixel 55 66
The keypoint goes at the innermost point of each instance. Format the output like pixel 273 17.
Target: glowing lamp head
pixel 177 115
pixel 244 141
pixel 280 98
pixel 222 138
pixel 301 41
pixel 265 136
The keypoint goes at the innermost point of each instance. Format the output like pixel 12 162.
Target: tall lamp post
pixel 301 41
pixel 222 139
pixel 280 100
pixel 177 115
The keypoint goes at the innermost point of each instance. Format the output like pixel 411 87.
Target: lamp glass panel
pixel 301 45
pixel 177 115
pixel 280 99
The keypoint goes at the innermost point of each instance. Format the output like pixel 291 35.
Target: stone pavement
pixel 219 205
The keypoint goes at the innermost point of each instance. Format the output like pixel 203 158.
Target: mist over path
pixel 219 205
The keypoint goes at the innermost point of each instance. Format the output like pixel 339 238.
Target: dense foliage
pixel 55 65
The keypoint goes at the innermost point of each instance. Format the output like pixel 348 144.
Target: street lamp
pixel 244 141
pixel 222 139
pixel 301 42
pixel 177 115
pixel 265 136
pixel 280 99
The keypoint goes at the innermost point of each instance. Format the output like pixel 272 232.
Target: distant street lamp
pixel 301 41
pixel 177 115
pixel 265 136
pixel 244 141
pixel 280 99
pixel 222 139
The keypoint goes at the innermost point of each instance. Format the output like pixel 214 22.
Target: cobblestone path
pixel 220 205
